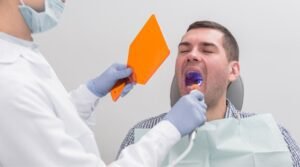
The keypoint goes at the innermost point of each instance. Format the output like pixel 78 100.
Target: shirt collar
pixel 231 111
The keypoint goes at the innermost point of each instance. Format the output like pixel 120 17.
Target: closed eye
pixel 184 51
pixel 184 47
pixel 208 48
pixel 208 51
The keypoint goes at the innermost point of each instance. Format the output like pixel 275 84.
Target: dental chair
pixel 235 93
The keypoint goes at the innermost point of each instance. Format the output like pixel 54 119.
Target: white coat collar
pixel 18 41
pixel 11 48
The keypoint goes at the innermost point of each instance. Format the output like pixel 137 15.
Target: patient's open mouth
pixel 193 78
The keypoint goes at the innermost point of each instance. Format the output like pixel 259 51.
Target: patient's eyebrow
pixel 184 44
pixel 207 44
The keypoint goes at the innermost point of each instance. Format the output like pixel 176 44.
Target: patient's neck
pixel 216 111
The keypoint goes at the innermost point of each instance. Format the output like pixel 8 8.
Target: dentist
pixel 42 125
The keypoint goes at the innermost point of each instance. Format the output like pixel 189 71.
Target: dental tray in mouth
pixel 192 78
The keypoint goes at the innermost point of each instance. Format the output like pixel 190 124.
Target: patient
pixel 210 49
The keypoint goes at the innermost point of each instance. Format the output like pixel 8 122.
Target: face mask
pixel 42 21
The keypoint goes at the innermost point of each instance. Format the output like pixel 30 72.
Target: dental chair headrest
pixel 235 93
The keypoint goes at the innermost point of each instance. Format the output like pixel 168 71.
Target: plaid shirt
pixel 230 112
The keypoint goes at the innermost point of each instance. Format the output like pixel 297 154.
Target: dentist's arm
pixel 86 96
pixel 186 115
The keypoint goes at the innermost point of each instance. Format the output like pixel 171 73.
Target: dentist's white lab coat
pixel 41 125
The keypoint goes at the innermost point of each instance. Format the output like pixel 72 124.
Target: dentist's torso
pixel 39 109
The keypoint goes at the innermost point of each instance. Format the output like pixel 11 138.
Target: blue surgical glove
pixel 103 83
pixel 188 113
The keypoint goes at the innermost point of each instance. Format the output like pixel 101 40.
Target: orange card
pixel 146 53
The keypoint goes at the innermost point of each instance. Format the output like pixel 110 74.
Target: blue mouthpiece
pixel 192 78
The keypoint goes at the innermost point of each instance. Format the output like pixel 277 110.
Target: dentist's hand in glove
pixel 103 83
pixel 188 113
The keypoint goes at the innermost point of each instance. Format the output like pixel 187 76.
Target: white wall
pixel 94 34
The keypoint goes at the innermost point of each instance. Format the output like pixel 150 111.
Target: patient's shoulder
pixel 144 124
pixel 150 122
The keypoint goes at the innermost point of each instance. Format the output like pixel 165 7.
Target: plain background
pixel 94 34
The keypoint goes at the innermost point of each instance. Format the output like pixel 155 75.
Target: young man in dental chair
pixel 208 56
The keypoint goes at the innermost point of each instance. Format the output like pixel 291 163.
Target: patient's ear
pixel 234 70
